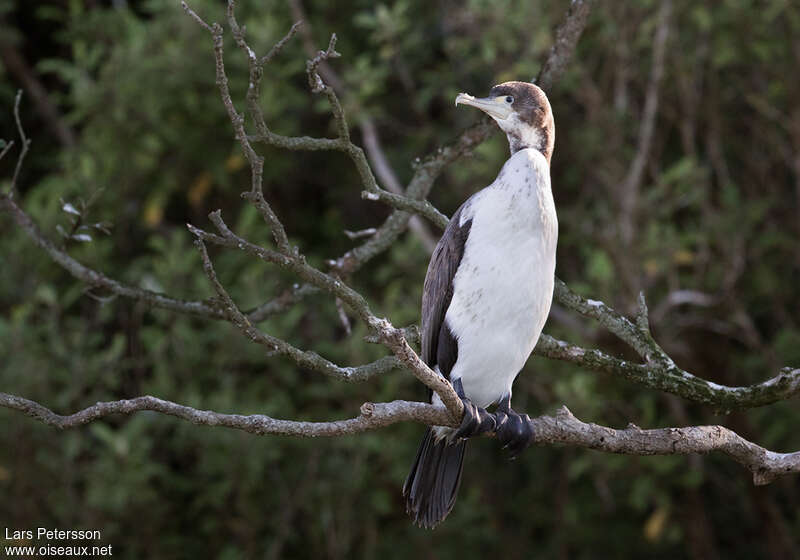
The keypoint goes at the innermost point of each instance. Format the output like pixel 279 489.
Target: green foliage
pixel 718 214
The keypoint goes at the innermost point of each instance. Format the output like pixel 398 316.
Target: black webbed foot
pixel 476 420
pixel 513 430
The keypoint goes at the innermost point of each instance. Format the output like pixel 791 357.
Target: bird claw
pixel 476 420
pixel 514 431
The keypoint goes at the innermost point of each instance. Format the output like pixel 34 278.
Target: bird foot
pixel 476 420
pixel 514 431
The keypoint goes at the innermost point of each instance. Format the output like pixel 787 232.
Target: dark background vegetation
pixel 139 130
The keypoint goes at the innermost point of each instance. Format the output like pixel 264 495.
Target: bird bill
pixel 495 107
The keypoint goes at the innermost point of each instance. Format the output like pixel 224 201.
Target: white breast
pixel 504 286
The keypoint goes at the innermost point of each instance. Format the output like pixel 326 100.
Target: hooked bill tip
pixel 462 96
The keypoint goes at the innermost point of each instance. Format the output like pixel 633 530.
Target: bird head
pixel 522 111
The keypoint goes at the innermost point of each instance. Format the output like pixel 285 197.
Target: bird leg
pixel 476 420
pixel 512 429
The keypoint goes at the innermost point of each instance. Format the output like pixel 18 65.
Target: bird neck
pixel 540 139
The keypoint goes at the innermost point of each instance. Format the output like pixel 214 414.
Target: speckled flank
pixel 504 286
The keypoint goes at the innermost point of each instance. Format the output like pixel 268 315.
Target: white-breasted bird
pixel 487 296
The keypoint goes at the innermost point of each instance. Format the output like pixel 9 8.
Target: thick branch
pixel 373 416
pixel 563 428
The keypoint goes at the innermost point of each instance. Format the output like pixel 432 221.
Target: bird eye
pixel 509 99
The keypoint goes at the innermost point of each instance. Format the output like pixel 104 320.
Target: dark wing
pixel 439 346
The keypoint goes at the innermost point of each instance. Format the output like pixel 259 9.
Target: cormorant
pixel 487 295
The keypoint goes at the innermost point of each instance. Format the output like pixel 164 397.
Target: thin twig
pixel 278 47
pixel 256 162
pixel 192 14
pixel 360 233
pixel 6 148
pixel 276 345
pixel 343 318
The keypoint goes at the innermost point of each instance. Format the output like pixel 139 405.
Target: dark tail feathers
pixel 432 485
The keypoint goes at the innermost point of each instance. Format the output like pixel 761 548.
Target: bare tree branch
pixel 784 386
pixel 295 263
pixel 278 47
pixel 657 371
pixel 310 360
pixel 281 303
pixel 562 428
pixel 97 279
pixel 256 162
pixel 286 257
pixel 384 171
pixel 361 233
pixel 667 378
pixel 343 143
pixel 373 416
